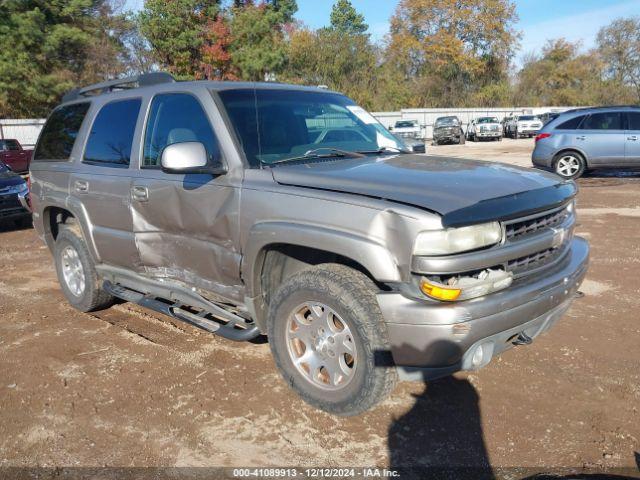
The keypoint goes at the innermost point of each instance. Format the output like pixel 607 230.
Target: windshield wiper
pixel 317 153
pixel 384 150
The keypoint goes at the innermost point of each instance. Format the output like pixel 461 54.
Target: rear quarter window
pixel 571 124
pixel 60 132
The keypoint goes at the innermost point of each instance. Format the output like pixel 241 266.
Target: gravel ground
pixel 127 387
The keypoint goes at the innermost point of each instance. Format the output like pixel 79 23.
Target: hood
pixel 9 178
pixel 464 192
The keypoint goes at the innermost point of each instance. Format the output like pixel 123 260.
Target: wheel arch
pixel 276 250
pixel 54 215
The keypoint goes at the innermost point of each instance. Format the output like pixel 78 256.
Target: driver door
pixel 185 225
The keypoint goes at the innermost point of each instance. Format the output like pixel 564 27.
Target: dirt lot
pixel 127 387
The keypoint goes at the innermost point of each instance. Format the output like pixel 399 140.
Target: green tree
pixel 174 29
pixel 561 76
pixel 47 48
pixel 345 19
pixel 448 49
pixel 344 62
pixel 258 47
pixel 619 48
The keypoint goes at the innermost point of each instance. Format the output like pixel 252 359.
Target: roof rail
pixel 601 107
pixel 142 80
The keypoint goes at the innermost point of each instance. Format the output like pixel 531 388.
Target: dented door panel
pixel 187 230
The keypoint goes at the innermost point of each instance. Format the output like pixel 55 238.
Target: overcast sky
pixel 575 20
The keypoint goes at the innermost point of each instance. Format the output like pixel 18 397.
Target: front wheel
pixel 569 165
pixel 329 340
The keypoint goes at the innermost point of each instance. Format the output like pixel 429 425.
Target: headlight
pixel 455 240
pixel 20 188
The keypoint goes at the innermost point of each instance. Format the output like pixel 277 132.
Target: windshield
pixel 406 124
pixel 488 120
pixel 446 121
pixel 527 118
pixel 276 125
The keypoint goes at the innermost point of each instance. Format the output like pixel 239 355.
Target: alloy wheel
pixel 321 346
pixel 568 166
pixel 73 271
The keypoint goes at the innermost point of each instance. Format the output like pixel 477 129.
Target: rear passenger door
pixel 186 226
pixel 632 146
pixel 102 181
pixel 602 137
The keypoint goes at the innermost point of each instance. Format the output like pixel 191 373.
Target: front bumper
pixel 429 340
pixel 11 207
pixel 495 134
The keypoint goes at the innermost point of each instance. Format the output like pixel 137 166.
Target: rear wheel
pixel 569 165
pixel 77 274
pixel 329 340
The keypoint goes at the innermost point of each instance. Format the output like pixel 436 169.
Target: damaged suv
pixel 248 209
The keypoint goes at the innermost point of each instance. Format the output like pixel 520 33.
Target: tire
pixel 91 296
pixel 569 165
pixel 516 135
pixel 347 297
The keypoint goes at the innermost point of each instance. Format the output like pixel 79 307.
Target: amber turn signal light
pixel 439 292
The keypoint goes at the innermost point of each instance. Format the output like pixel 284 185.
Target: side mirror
pixel 188 157
pixel 418 148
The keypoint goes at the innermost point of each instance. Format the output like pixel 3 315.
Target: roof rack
pixel 142 80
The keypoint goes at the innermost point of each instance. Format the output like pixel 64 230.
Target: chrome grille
pixel 527 227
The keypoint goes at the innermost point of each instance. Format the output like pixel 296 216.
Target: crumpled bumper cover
pixel 435 337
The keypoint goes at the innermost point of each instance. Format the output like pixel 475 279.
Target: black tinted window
pixel 571 124
pixel 177 118
pixel 602 121
pixel 60 132
pixel 634 120
pixel 12 145
pixel 112 132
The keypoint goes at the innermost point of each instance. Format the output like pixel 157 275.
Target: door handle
pixel 140 194
pixel 581 137
pixel 632 138
pixel 81 186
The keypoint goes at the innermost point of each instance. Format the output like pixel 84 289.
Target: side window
pixel 634 120
pixel 59 133
pixel 177 118
pixel 571 124
pixel 12 145
pixel 112 132
pixel 603 121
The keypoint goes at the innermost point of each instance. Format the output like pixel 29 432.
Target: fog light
pixel 478 355
pixel 439 292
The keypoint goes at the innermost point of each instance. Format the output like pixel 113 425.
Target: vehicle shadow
pixel 441 436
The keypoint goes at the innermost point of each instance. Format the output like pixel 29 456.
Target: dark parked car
pixel 230 206
pixel 13 197
pixel 448 130
pixel 13 155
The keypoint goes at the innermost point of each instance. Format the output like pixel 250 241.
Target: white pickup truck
pixel 523 126
pixel 484 128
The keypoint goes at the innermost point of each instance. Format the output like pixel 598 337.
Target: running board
pixel 234 327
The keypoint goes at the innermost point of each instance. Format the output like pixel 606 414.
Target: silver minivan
pixel 589 139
